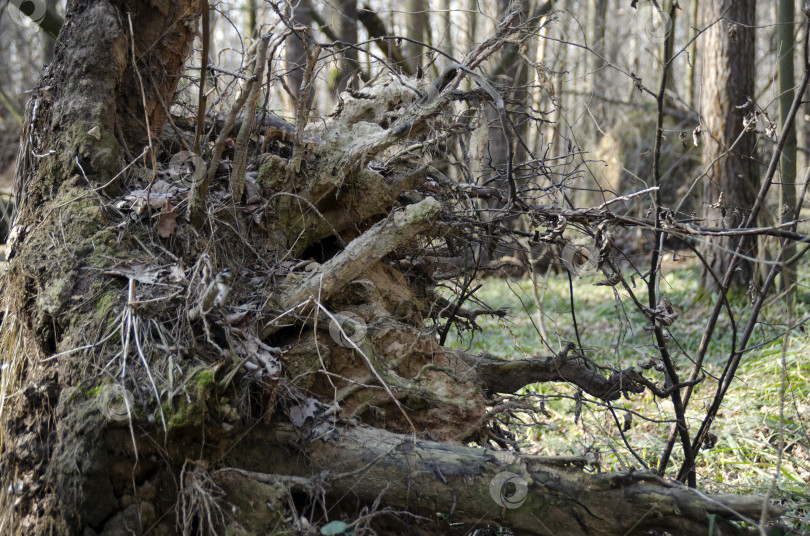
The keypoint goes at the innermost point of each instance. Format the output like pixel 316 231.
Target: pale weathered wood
pixel 359 255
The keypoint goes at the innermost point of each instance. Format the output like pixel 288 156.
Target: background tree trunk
pixel 449 32
pixel 598 13
pixel 691 50
pixel 252 8
pixel 786 47
pixel 731 185
pixel 296 50
pixel 349 65
pixel 48 41
pixel 415 22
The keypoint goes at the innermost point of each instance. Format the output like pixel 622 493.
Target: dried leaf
pixel 166 220
pixel 176 274
pixel 545 81
pixel 300 413
pixel 253 192
pixel 235 318
pixel 261 358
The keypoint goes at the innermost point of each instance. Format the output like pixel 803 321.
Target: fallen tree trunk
pixel 474 486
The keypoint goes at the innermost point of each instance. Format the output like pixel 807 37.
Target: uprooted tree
pixel 219 350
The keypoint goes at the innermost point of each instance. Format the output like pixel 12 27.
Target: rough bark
pixel 509 376
pixel 361 465
pixel 730 186
pixel 48 41
pixel 89 109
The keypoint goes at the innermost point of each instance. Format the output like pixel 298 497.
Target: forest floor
pixel 746 455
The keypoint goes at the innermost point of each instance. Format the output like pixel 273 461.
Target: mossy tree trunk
pixel 96 106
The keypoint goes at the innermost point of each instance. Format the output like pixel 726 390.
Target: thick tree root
pixel 502 376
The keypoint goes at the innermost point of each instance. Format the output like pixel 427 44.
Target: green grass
pixel 612 332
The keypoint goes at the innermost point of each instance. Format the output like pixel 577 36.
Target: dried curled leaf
pixel 166 220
